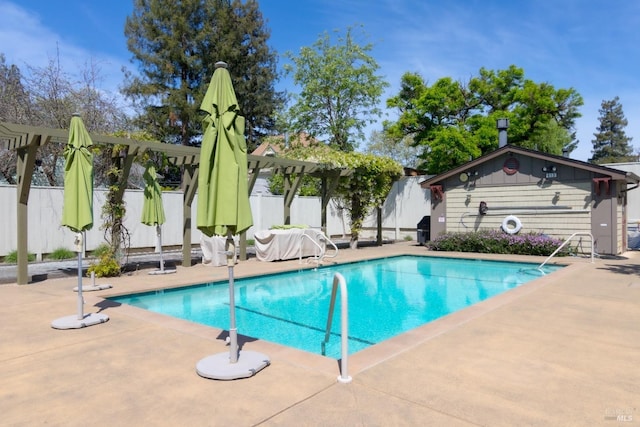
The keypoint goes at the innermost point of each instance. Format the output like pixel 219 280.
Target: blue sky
pixel 590 45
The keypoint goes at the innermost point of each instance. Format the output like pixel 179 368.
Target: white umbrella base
pixel 219 367
pixel 89 288
pixel 162 271
pixel 72 322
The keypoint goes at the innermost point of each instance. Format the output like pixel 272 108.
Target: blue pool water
pixel 387 297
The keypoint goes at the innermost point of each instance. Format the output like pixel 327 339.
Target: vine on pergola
pixel 366 188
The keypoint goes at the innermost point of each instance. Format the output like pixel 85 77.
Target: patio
pixel 562 350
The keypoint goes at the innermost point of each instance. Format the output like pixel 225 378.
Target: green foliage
pixel 455 121
pixel 62 253
pixel 106 266
pixel 175 46
pixel 340 90
pixel 12 257
pixel 611 144
pixel 498 242
pixel 114 208
pixel 402 150
pixel 102 249
pixel 366 188
pixel 309 186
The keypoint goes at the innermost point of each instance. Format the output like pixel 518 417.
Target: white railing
pixel 338 279
pixel 320 242
pixel 584 233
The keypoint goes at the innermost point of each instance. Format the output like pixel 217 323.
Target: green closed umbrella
pixel 153 209
pixel 77 211
pixel 223 207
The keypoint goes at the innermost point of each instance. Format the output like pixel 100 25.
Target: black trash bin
pixel 424 230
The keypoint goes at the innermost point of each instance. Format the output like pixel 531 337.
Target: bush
pixel 106 266
pixel 101 250
pixel 497 242
pixel 62 253
pixel 12 257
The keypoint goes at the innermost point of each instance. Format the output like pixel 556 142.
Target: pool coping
pixel 365 358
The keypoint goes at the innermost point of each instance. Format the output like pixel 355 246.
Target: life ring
pixel 511 224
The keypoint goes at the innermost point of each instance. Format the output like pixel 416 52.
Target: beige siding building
pixel 519 191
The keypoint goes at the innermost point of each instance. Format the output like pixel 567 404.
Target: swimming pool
pixel 387 296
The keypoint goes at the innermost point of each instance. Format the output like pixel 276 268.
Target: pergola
pixel 26 140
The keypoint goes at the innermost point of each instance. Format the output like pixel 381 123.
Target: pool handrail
pixel 566 242
pixel 323 250
pixel 338 279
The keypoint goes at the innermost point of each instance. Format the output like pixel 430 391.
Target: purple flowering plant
pixel 499 242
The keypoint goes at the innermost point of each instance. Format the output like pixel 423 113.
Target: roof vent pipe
pixel 502 125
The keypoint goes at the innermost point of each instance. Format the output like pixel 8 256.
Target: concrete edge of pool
pixel 561 350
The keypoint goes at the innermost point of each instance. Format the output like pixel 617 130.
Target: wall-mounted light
pixel 468 199
pixel 465 176
pixel 550 171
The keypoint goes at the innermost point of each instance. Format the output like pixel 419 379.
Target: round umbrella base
pixel 162 271
pixel 219 367
pixel 89 288
pixel 72 322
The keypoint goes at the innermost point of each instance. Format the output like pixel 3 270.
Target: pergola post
pixel 328 186
pixel 189 186
pixel 26 159
pixel 290 189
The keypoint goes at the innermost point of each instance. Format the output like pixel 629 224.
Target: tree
pixel 14 108
pixel 48 97
pixel 176 46
pixel 401 150
pixel 611 144
pixel 456 121
pixel 340 90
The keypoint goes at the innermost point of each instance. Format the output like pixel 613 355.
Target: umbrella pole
pixel 78 243
pixel 230 250
pixel 159 234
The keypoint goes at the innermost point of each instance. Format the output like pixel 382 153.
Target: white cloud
pixel 27 40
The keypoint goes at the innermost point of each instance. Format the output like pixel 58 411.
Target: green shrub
pixel 408 238
pixel 103 249
pixel 106 266
pixel 497 242
pixel 12 257
pixel 62 253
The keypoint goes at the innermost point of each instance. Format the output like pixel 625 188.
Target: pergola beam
pixel 25 140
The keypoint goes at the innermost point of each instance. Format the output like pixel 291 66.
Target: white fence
pixel 406 205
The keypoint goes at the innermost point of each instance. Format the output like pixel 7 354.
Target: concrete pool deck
pixel 561 350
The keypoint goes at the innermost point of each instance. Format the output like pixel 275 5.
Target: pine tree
pixel 611 144
pixel 176 44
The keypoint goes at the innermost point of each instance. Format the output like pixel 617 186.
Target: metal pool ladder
pixel 320 242
pixel 584 233
pixel 338 279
